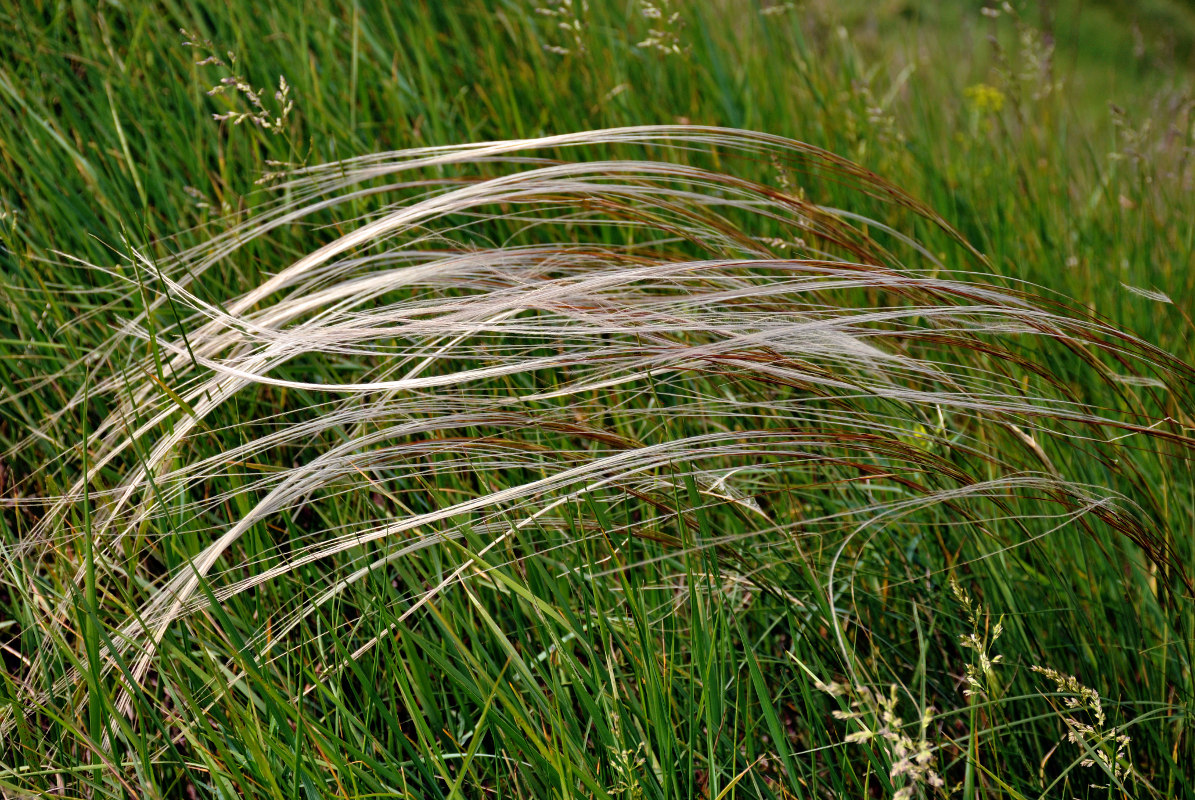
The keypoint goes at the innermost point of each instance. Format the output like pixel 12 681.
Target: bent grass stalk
pixel 605 320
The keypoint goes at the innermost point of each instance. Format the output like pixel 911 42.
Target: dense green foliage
pixel 616 653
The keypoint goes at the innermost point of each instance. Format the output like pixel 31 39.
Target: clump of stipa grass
pixel 597 323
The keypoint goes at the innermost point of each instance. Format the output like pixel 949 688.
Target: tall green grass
pixel 632 462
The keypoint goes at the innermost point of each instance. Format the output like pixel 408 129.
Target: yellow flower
pixel 984 98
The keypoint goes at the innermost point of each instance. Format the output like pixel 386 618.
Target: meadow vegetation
pixel 579 398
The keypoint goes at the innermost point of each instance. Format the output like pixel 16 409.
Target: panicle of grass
pixel 875 714
pixel 255 111
pixel 570 18
pixel 1106 746
pixel 980 672
pixel 666 23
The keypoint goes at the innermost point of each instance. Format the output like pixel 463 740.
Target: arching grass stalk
pixel 606 342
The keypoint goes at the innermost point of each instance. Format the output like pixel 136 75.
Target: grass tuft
pixel 623 452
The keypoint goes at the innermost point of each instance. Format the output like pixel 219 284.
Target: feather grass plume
pixel 599 335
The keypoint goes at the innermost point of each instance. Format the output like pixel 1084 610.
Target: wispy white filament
pixel 643 323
